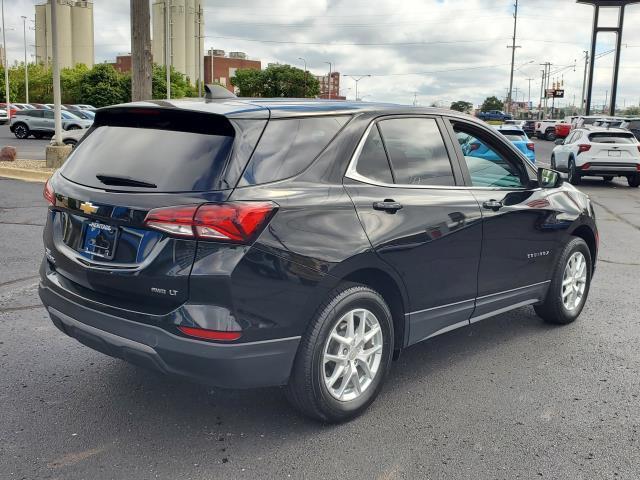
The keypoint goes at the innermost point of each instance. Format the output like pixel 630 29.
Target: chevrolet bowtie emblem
pixel 88 207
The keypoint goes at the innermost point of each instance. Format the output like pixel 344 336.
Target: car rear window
pixel 612 137
pixel 514 136
pixel 288 146
pixel 174 150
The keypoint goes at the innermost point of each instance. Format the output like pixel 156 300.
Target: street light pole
pixel 357 79
pixel 167 47
pixel 305 76
pixel 329 80
pixel 26 65
pixel 513 47
pixel 57 97
pixel 6 65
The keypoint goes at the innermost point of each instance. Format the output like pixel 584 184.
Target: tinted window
pixel 48 114
pixel 416 151
pixel 172 160
pixel 288 146
pixel 372 162
pixel 612 137
pixel 487 166
pixel 514 135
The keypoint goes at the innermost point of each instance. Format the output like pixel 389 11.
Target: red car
pixel 563 130
pixel 11 111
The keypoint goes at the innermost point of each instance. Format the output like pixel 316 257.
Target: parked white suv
pixel 601 152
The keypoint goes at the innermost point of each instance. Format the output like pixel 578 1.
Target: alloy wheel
pixel 21 132
pixel 352 354
pixel 574 281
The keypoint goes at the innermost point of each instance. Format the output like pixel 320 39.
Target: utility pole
pixel 199 60
pixel 584 81
pixel 606 101
pixel 167 45
pixel 513 47
pixel 141 60
pixel 57 97
pixel 530 80
pixel 544 72
pixel 415 99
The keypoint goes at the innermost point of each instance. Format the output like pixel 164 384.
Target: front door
pixel 403 185
pixel 522 232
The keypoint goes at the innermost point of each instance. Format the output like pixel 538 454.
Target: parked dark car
pixel 250 243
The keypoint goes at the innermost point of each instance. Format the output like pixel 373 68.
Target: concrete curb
pixel 26 174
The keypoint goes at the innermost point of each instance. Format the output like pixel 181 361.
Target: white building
pixel 75 33
pixel 186 36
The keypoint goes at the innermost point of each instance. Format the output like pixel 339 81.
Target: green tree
pixel 632 111
pixel 276 81
pixel 492 103
pixel 72 82
pixel 461 106
pixel 180 86
pixel 102 85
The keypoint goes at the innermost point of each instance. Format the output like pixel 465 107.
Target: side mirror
pixel 559 141
pixel 548 178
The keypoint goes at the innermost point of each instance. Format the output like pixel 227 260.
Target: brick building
pixel 123 63
pixel 219 68
pixel 330 87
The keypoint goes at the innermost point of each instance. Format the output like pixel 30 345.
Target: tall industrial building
pixel 186 36
pixel 75 32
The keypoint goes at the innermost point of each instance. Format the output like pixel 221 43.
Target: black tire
pixel 550 135
pixel 73 127
pixel 553 162
pixel 607 178
pixel 38 135
pixel 553 310
pixel 21 131
pixel 70 141
pixel 306 389
pixel 574 176
pixel 634 180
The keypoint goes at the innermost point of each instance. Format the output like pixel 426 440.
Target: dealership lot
pixel 505 398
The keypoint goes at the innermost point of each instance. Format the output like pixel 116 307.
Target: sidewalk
pixel 28 170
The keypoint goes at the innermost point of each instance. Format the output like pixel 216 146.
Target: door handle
pixel 494 205
pixel 389 206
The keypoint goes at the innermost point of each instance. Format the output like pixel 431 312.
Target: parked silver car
pixel 40 123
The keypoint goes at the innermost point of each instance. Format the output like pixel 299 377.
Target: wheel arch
pixel 586 233
pixel 393 292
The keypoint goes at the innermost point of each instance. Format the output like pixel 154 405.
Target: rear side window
pixel 372 162
pixel 612 137
pixel 172 150
pixel 514 136
pixel 288 146
pixel 416 151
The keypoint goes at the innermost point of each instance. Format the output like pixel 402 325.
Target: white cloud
pixel 326 30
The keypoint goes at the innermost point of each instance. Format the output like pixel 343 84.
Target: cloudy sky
pixel 439 50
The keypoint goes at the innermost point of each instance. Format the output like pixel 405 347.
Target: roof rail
pixel 217 92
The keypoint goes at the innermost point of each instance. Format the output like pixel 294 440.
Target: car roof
pixel 592 129
pixel 289 107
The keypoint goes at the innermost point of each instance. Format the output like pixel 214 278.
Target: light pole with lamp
pixel 305 76
pixel 6 65
pixel 357 79
pixel 329 80
pixel 26 64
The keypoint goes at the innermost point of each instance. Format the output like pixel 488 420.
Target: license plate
pixel 615 153
pixel 99 239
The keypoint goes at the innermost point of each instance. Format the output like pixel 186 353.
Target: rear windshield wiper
pixel 124 181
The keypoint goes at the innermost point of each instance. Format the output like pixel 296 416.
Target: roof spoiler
pixel 217 92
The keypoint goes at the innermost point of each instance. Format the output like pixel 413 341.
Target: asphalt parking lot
pixel 28 149
pixel 509 397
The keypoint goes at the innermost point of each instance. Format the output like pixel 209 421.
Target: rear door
pixel 522 233
pixel 405 189
pixel 135 161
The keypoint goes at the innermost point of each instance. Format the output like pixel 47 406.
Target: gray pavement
pixel 28 149
pixel 509 397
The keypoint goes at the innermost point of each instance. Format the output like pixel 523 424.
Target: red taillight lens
pixel 238 222
pixel 48 194
pixel 586 166
pixel 531 146
pixel 583 148
pixel 639 148
pixel 210 334
pixel 638 167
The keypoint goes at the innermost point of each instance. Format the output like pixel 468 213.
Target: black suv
pixel 256 242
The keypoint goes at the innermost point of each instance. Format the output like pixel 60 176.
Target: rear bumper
pixel 239 365
pixel 604 168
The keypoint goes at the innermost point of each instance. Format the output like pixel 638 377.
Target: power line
pixel 364 44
